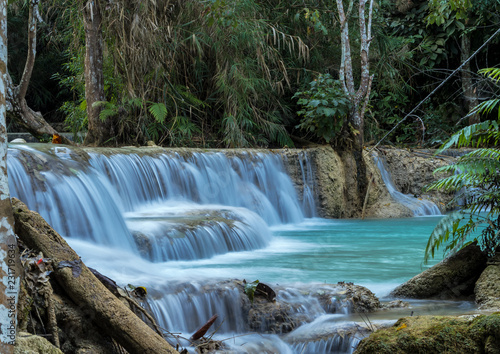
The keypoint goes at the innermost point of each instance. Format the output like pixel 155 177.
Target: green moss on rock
pixel 437 334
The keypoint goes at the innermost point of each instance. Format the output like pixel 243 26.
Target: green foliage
pixel 475 178
pixel 324 108
pixel 250 289
pixel 159 111
pixel 443 12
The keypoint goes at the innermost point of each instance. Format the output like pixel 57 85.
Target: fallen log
pixel 111 315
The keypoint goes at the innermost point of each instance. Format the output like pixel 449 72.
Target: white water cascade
pixel 419 207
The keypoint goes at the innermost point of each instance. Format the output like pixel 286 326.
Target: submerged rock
pixel 436 334
pixel 452 278
pixel 487 289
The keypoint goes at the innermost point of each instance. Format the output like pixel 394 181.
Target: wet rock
pixel 487 289
pixel 271 317
pixel 27 343
pixel 330 180
pixel 143 243
pixel 396 304
pixel 340 297
pixel 436 334
pixel 452 278
pixel 18 141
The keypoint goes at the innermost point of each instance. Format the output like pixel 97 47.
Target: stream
pixel 185 224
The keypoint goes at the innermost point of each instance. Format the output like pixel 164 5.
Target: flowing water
pixel 418 206
pixel 185 224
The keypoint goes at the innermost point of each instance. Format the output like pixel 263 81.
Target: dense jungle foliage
pixel 475 181
pixel 242 73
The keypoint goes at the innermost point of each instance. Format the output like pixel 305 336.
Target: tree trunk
pixel 9 257
pixel 32 121
pixel 111 315
pixel 358 98
pixel 468 89
pixel 98 131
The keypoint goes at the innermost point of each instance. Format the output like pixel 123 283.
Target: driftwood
pixel 111 315
pixel 201 332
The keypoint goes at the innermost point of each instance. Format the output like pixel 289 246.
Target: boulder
pixel 452 278
pixel 487 289
pixel 436 334
pixel 27 343
pixel 356 298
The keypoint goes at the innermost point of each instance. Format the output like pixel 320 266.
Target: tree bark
pixel 358 98
pixel 9 257
pixel 98 131
pixel 111 315
pixel 468 89
pixel 18 109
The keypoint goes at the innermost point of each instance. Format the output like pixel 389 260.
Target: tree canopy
pixel 224 73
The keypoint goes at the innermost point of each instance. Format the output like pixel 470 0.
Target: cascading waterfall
pixel 161 208
pixel 308 200
pixel 419 207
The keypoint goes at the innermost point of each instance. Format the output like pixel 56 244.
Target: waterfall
pixel 146 215
pixel 166 206
pixel 308 200
pixel 419 207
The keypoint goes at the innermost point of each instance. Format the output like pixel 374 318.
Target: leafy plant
pixel 250 289
pixel 475 178
pixel 324 108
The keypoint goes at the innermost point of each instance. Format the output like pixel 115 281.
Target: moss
pixel 436 334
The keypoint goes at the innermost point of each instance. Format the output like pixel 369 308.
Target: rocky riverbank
pixel 466 275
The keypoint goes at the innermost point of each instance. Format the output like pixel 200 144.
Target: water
pixel 185 225
pixel 418 206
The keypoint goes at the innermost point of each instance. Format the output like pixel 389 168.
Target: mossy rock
pixel 27 343
pixel 452 278
pixel 437 334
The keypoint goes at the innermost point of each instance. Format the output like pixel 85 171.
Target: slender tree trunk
pixel 98 132
pixel 9 258
pixel 18 108
pixel 358 98
pixel 468 89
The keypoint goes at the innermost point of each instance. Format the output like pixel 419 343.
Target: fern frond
pixel 441 233
pixel 159 111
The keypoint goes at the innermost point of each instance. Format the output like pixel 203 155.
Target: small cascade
pixel 419 207
pixel 257 182
pixel 327 334
pixel 185 232
pixel 184 307
pixel 308 199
